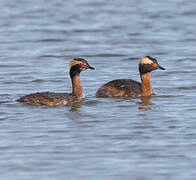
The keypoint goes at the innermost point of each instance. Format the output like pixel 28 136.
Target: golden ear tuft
pixel 145 60
pixel 74 62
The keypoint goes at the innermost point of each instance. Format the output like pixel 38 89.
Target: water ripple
pixel 143 138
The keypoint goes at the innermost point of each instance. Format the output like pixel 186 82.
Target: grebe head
pixel 148 64
pixel 80 64
pixel 77 65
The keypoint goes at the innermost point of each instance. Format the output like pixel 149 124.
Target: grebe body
pixel 53 99
pixel 130 88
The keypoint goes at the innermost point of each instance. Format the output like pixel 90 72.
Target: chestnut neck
pixel 146 84
pixel 77 89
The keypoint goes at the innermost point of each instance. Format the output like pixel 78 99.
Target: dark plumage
pixel 46 98
pixel 120 88
pixel 52 99
pixel 129 87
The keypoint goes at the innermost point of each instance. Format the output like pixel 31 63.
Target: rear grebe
pixel 52 99
pixel 130 88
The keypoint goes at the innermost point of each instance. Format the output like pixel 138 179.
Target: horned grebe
pixel 52 99
pixel 130 88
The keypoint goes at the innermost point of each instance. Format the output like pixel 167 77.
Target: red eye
pixel 152 64
pixel 83 65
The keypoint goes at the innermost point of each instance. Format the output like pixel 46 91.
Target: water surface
pixel 99 138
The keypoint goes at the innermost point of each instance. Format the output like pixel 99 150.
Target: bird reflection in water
pixel 75 107
pixel 145 103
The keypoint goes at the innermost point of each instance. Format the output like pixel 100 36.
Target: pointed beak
pixel 160 67
pixel 90 67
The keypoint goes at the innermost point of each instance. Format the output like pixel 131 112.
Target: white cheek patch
pixel 145 60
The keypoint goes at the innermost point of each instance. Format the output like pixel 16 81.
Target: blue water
pixel 98 138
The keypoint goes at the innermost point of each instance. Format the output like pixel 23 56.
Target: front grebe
pixel 52 99
pixel 130 88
